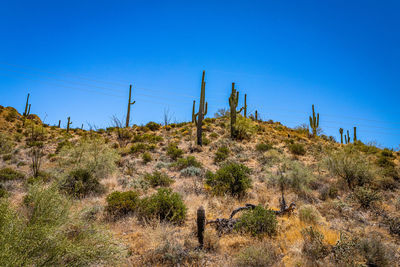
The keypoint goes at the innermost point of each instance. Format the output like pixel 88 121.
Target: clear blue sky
pixel 77 58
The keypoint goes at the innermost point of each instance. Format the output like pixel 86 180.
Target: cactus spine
pixel 314 122
pixel 59 123
pixel 355 134
pixel 245 105
pixel 68 123
pixel 199 116
pixel 341 135
pixel 128 113
pixel 27 105
pixel 201 223
pixel 233 102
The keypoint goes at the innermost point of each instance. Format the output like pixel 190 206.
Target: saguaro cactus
pixel 201 223
pixel 128 113
pixel 355 134
pixel 59 123
pixel 256 115
pixel 245 105
pixel 314 122
pixel 193 111
pixel 26 112
pixel 233 102
pixel 345 139
pixel 348 137
pixel 68 123
pixel 199 116
pixel 341 135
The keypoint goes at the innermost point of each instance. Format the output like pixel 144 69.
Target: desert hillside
pixel 130 196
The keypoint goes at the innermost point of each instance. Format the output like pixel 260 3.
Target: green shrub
pixel 257 221
pixel 158 179
pixel 11 115
pixel 49 235
pixel 6 145
pixel 191 171
pixel 139 148
pixel 232 178
pixel 329 191
pixel 346 251
pixel 313 247
pixel 245 128
pixel 221 154
pixel 297 149
pixel 7 157
pixel 8 174
pixel 3 192
pixel 62 144
pixel 309 214
pixel 153 126
pixel 261 255
pixel 376 252
pixel 80 183
pixel 189 161
pixel 262 147
pixel 90 153
pixel 165 205
pixel 352 167
pixel 146 157
pixel 366 196
pixel 122 203
pixel 174 152
pixel 149 138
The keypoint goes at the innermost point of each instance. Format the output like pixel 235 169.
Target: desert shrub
pixel 376 252
pixel 146 157
pixel 346 251
pixel 297 149
pixel 189 161
pixel 313 247
pixel 191 171
pixel 81 183
pixel 62 144
pixel 213 135
pixel 231 179
pixel 49 235
pixel 309 214
pixel 122 203
pixel 149 138
pixel 329 191
pixel 221 154
pixel 366 196
pixel 386 183
pixel 244 128
pixel 260 255
pixel 257 221
pixel 92 154
pixel 7 157
pixel 164 205
pixel 351 167
pixel 153 126
pixel 158 179
pixel 3 192
pixel 8 174
pixel 43 177
pixel 91 213
pixel 262 147
pixel 11 115
pixel 6 145
pixel 173 151
pixel 139 148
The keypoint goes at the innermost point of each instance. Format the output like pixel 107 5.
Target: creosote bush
pixel 189 161
pixel 146 157
pixel 297 149
pixel 81 183
pixel 49 235
pixel 231 179
pixel 164 205
pixel 8 174
pixel 122 203
pixel 174 152
pixel 257 221
pixel 158 179
pixel 153 126
pixel 245 128
pixel 221 154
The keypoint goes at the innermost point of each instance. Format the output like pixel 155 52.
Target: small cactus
pixel 128 113
pixel 68 123
pixel 314 122
pixel 198 117
pixel 201 223
pixel 341 135
pixel 233 102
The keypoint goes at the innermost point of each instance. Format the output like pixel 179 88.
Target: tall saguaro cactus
pixel 341 135
pixel 245 105
pixel 348 136
pixel 256 115
pixel 68 123
pixel 193 110
pixel 27 107
pixel 345 139
pixel 128 113
pixel 199 116
pixel 233 102
pixel 314 121
pixel 355 134
pixel 201 223
pixel 59 123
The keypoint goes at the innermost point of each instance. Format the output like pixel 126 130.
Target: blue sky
pixel 77 58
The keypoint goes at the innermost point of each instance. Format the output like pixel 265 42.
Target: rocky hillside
pixel 130 196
